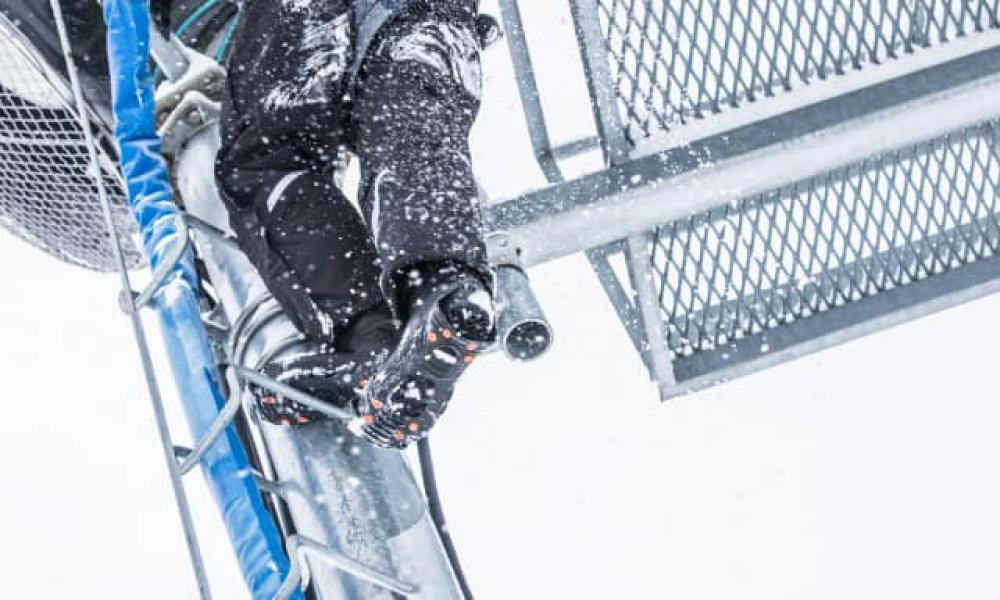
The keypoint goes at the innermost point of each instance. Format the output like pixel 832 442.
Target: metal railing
pixel 780 176
pixel 755 269
pixel 677 61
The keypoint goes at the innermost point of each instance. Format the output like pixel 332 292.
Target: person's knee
pixel 440 43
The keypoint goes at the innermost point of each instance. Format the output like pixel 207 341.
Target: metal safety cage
pixel 779 176
pixel 47 196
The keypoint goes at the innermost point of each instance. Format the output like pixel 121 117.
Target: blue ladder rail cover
pixel 253 533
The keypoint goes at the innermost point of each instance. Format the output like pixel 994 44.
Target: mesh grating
pixel 880 224
pixel 47 196
pixel 677 60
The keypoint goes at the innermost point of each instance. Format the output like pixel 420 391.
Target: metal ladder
pixel 318 478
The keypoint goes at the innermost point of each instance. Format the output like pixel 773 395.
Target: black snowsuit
pixel 396 83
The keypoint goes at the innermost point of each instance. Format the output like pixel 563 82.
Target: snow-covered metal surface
pixel 47 196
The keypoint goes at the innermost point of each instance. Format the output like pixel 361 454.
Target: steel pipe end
pixel 524 331
pixel 528 339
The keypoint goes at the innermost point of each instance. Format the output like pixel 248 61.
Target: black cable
pixel 437 514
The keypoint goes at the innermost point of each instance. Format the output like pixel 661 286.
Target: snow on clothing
pixel 396 83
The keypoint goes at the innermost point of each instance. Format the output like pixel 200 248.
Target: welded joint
pixel 300 547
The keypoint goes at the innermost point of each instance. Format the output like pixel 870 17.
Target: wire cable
pixel 437 514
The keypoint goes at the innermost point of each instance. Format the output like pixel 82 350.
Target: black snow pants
pixel 298 97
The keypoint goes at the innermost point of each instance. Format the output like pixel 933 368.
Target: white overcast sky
pixel 866 472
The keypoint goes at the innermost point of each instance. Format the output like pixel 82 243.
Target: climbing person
pixel 398 293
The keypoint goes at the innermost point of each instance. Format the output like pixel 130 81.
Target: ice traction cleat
pixel 331 377
pixel 412 388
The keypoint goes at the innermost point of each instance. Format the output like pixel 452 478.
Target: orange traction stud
pixel 468 359
pixel 446 333
pixel 472 346
pixel 368 419
pixel 432 337
pixel 414 427
pixel 268 400
pixel 399 435
pixel 377 404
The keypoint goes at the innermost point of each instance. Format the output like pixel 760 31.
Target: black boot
pixel 448 323
pixel 332 375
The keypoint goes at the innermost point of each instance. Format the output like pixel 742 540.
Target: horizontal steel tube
pixel 570 226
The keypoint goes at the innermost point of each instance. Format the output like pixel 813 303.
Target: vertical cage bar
pixel 527 88
pixel 593 52
pixel 647 301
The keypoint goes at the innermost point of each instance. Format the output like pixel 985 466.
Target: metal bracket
pixel 194 112
pixel 202 75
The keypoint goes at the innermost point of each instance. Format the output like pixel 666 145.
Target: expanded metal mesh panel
pixel 677 60
pixel 857 232
pixel 47 196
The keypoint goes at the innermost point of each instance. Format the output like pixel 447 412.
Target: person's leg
pixel 417 96
pixel 284 122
